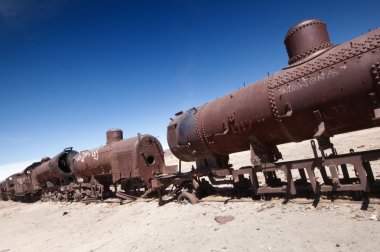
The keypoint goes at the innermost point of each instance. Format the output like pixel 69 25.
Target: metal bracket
pixel 321 124
pixel 322 137
pixel 261 154
pixel 288 111
pixel 376 111
pixel 375 96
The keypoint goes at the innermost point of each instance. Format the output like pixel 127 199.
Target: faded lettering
pixel 306 82
pixel 84 154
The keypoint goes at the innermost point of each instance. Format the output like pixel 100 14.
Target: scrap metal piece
pixel 224 219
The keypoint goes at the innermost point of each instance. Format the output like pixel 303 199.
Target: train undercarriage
pixel 323 175
pixel 335 174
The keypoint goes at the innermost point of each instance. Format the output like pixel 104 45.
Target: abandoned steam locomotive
pixel 40 177
pixel 130 163
pixel 325 90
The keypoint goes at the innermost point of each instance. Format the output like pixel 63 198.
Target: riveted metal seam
pixel 357 49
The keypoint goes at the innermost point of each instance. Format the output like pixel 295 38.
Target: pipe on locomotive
pixel 325 90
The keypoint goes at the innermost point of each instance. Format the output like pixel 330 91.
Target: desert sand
pixel 211 225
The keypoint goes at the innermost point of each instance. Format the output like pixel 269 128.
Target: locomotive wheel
pixel 186 197
pixel 54 198
pixel 77 196
pixel 59 196
pixel 49 196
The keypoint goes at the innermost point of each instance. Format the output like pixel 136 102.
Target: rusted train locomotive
pixel 130 163
pixel 325 90
pixel 40 178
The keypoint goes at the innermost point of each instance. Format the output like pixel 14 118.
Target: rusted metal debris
pixel 224 219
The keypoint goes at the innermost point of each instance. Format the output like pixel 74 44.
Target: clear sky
pixel 70 70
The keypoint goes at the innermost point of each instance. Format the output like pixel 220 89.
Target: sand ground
pixel 143 226
pixel 251 226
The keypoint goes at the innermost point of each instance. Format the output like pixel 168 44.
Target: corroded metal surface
pixel 3 190
pixel 22 184
pixel 305 39
pixel 7 188
pixel 114 135
pixel 137 158
pixel 54 171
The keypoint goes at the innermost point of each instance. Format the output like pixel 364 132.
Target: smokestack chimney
pixel 114 135
pixel 308 38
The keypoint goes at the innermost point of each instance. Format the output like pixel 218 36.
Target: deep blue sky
pixel 70 70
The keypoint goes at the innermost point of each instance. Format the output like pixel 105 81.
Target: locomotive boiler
pixel 54 172
pixel 131 162
pixel 325 90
